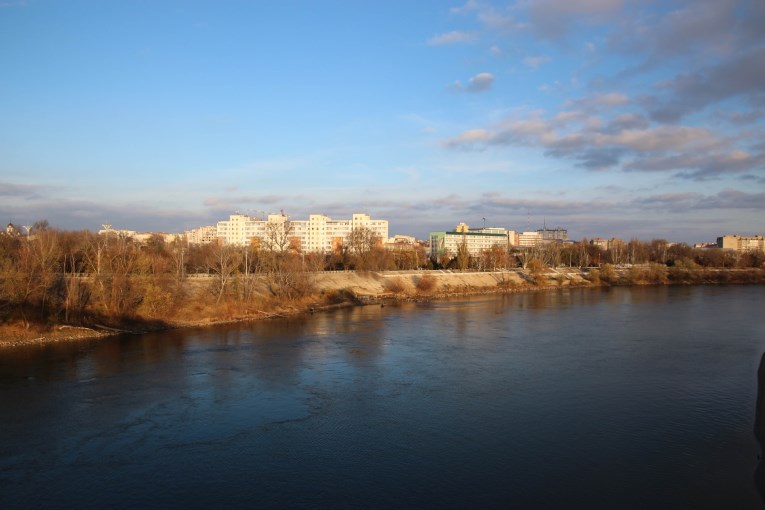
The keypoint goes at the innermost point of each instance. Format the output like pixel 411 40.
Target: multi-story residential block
pixel 616 243
pixel 528 239
pixel 318 234
pixel 741 243
pixel 202 235
pixel 553 234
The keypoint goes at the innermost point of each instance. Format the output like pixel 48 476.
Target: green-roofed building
pixel 445 244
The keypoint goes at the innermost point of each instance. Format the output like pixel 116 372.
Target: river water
pixel 588 398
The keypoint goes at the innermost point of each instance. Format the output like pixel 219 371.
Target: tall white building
pixel 318 234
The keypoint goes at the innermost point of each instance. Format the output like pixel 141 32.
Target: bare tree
pixel 251 261
pixel 178 250
pixel 616 251
pixel 286 277
pixel 659 249
pixel 223 260
pixel 463 254
pixel 361 241
pixel 315 261
pixel 494 258
pixel 525 254
pixel 552 254
pixel 278 234
pixel 122 258
pixel 583 253
pixel 77 294
pixel 44 249
pixel 637 252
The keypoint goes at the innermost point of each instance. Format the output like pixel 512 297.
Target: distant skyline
pixel 609 118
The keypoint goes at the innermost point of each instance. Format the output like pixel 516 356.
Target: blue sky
pixel 607 117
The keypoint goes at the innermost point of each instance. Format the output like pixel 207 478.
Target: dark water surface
pixel 620 398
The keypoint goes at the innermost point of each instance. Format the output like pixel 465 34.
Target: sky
pixel 634 119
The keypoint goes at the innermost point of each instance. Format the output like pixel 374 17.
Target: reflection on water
pixel 609 398
pixel 759 427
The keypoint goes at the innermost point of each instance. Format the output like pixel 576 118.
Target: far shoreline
pixel 390 287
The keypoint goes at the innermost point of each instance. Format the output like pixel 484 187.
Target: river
pixel 586 398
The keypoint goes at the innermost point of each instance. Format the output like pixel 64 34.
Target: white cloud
pixel 453 37
pixel 481 82
pixel 471 136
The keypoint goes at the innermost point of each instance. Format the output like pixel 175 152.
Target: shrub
pixel 395 285
pixel 426 284
pixel 608 274
pixel 637 275
pixel 156 302
pixel 657 273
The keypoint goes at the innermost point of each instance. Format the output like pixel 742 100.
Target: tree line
pixel 56 275
pixel 586 254
pixel 74 277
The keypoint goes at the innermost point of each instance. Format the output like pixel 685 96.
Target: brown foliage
pixel 426 284
pixel 395 285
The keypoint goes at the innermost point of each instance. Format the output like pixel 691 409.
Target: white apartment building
pixel 318 234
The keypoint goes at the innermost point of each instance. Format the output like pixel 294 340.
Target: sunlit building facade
pixel 446 244
pixel 318 234
pixel 741 243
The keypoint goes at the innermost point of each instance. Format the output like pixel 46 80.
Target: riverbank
pixel 355 288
